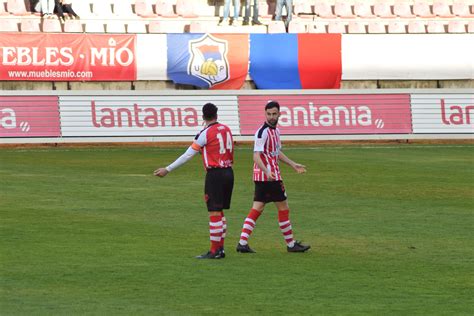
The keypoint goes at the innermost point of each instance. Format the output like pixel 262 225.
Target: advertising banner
pixel 443 113
pixel 330 114
pixel 75 57
pixel 141 115
pixel 29 116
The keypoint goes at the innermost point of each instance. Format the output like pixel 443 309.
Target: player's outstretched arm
pixel 184 158
pixel 299 168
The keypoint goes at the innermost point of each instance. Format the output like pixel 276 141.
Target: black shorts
pixel 269 191
pixel 218 188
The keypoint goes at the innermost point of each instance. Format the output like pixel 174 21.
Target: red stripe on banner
pixel 237 58
pixel 18 118
pixel 319 61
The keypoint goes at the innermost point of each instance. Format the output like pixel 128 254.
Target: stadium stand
pixel 315 16
pixel 199 16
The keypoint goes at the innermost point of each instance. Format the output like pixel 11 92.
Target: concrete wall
pixel 249 85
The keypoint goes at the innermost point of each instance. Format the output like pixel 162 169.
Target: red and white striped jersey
pixel 216 145
pixel 267 142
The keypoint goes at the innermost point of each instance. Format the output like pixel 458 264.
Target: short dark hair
pixel 272 104
pixel 209 111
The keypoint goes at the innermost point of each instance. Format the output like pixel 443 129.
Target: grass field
pixel 91 231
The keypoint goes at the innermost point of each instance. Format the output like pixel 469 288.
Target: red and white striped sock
pixel 224 230
pixel 215 232
pixel 249 225
pixel 285 227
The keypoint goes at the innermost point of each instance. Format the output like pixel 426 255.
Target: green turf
pixel 91 231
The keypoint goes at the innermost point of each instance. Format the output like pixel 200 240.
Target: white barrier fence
pixel 75 116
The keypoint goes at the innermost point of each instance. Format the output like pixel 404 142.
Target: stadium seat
pixel 376 28
pixel 403 9
pixel 203 9
pixel 456 27
pixel 8 25
pixel 422 9
pixel 102 8
pixel 144 9
pixel 363 10
pixel 303 9
pixel 383 10
pixel 323 9
pixel 442 9
pixel 276 27
pixel 135 27
pixel 396 27
pixel 123 9
pixel 73 26
pixel 461 9
pixel 266 10
pixel 296 26
pixel 83 9
pixel 3 9
pixel 165 9
pixel 356 27
pixel 435 27
pixel 156 27
pixel 343 10
pixel 17 7
pixel 416 27
pixel 115 26
pixel 186 9
pixel 52 26
pixel 317 27
pixel 93 26
pixel 336 27
pixel 166 26
pixel 30 25
pixel 470 27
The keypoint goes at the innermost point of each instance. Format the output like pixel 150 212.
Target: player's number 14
pixel 224 145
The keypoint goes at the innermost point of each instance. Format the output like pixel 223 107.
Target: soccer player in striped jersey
pixel 215 142
pixel 269 186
